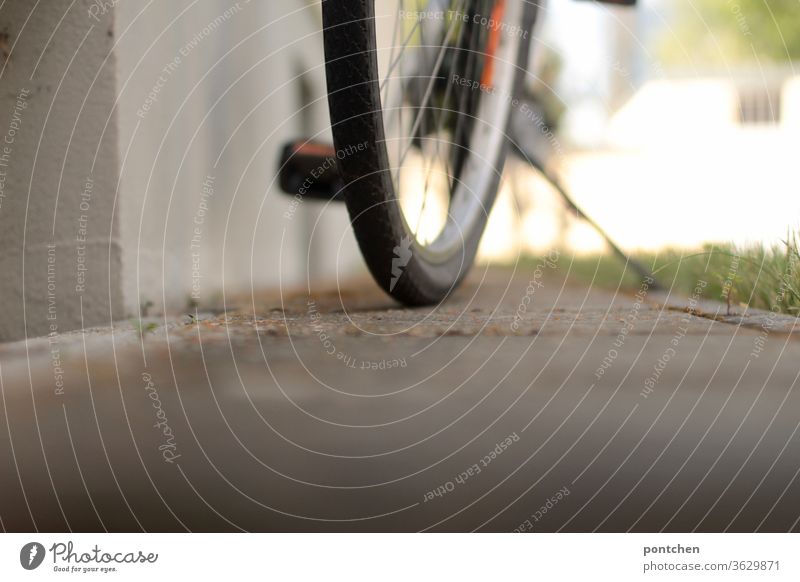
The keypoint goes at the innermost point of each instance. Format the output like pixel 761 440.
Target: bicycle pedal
pixel 309 169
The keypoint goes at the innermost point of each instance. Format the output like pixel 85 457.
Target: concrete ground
pixel 523 403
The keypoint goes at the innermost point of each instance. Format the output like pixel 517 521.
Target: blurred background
pixel 677 123
pixel 153 131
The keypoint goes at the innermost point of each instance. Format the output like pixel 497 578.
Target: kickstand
pixel 527 154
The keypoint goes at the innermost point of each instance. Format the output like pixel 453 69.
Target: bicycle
pixel 423 90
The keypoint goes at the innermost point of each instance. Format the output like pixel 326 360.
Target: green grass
pixel 761 277
pixel 144 328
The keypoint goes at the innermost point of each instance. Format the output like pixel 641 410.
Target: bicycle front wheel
pixel 420 95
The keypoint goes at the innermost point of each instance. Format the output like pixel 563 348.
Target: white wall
pixel 226 109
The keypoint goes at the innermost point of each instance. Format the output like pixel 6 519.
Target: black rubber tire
pixel 356 118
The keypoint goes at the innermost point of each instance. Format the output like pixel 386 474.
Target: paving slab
pixel 525 402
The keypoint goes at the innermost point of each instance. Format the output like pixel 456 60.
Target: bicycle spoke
pixel 403 85
pixel 459 8
pixel 425 164
pixel 428 91
pixel 395 32
pixel 443 111
pixel 399 57
pixel 458 43
pixel 465 102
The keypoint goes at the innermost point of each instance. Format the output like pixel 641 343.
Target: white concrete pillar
pixel 59 241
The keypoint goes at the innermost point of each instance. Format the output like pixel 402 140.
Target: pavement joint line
pixel 750 318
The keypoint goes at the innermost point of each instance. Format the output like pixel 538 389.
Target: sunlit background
pixel 678 125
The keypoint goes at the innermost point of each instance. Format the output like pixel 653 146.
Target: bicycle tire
pixel 412 273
